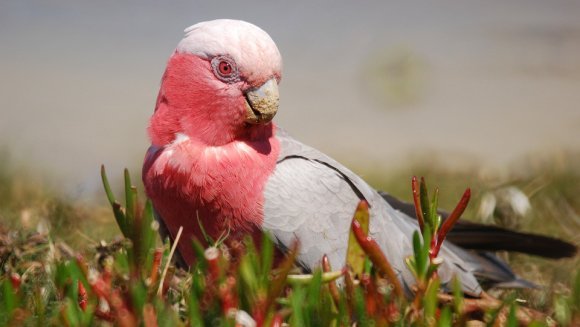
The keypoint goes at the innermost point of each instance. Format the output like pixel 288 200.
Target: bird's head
pixel 221 83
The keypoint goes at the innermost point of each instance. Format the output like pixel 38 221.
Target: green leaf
pixel 138 295
pixel 107 186
pixel 430 299
pixel 368 266
pixel 536 323
pixel 433 215
pixel 314 288
pixel 431 269
pixel 194 311
pixel 416 243
pixel 117 209
pixel 343 317
pixel 355 255
pixel 130 203
pixel 199 251
pixel 306 279
pixel 148 234
pixel 248 273
pixel 512 320
pixel 412 265
pixel 445 319
pixel 313 298
pixel 417 250
pixel 208 239
pixel 71 313
pixel 421 252
pixel 424 198
pixel 128 193
pixel 198 283
pixel 457 295
pixel 360 307
pixel 267 257
pixel 8 300
pixel 296 302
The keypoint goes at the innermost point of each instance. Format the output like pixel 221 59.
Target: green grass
pixel 50 246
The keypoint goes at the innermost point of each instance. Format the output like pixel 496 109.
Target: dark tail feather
pixel 490 238
pixel 481 237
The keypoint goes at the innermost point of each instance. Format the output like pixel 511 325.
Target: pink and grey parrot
pixel 217 160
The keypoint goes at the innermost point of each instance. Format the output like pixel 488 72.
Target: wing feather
pixel 312 198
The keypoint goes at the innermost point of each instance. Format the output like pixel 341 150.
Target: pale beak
pixel 262 103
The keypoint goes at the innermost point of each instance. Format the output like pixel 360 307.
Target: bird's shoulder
pixel 308 168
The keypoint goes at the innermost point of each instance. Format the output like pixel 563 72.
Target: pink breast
pixel 223 186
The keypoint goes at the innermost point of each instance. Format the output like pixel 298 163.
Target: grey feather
pixel 312 198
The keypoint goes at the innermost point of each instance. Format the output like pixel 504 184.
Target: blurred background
pixel 466 93
pixel 373 85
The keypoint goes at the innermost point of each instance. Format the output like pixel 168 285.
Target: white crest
pixel 250 47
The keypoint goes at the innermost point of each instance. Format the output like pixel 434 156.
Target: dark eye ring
pixel 225 69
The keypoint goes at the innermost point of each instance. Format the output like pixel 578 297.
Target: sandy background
pixel 371 84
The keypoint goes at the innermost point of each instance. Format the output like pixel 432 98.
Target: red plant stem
pixel 349 287
pixel 417 201
pixel 371 295
pixel 279 280
pixel 155 266
pixel 331 285
pixel 107 316
pixel 212 256
pixel 372 249
pixel 450 222
pixel 16 280
pixel 149 316
pixel 382 305
pixel 82 297
pixel 82 292
pixel 119 312
pixel 227 295
pixel 433 248
pixel 107 277
pixel 124 317
pixel 277 321
pixel 258 315
pixel 101 288
pixel 393 312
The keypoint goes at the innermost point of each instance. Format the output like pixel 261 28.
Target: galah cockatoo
pixel 217 160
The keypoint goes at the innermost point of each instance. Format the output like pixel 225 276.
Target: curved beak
pixel 262 103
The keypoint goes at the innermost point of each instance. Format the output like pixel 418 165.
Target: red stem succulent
pixel 377 256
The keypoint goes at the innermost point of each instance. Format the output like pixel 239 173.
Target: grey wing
pixel 309 197
pixel 305 200
pixel 312 198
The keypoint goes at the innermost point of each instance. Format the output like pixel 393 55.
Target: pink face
pixel 219 85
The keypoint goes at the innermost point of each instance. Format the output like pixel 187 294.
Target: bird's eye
pixel 225 69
